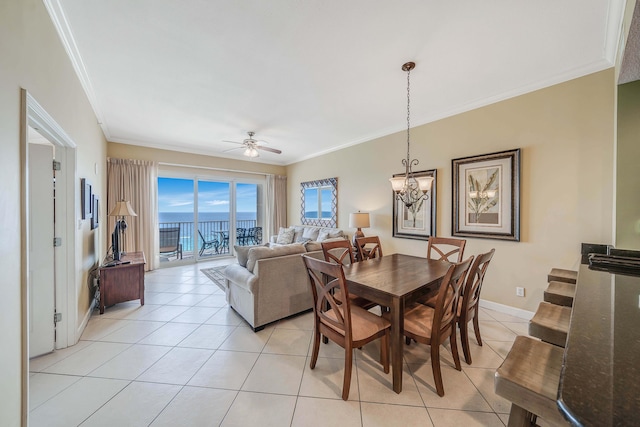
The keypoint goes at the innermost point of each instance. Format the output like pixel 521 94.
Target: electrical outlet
pixel 519 291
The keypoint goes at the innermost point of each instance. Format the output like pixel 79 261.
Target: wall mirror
pixel 319 205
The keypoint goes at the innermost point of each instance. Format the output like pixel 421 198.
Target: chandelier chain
pixel 408 110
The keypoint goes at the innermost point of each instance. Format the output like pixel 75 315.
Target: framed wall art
pixel 486 196
pixel 85 195
pixel 95 218
pixel 417 221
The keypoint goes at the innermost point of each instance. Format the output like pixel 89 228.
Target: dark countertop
pixel 600 378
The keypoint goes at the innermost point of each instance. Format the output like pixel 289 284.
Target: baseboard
pixel 517 312
pixel 85 320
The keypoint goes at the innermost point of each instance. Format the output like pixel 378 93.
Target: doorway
pixel 34 116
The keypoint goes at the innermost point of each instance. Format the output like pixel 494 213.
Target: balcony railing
pixel 215 234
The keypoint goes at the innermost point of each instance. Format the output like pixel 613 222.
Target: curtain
pixel 136 181
pixel 276 203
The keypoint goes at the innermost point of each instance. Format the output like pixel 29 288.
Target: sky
pixel 176 195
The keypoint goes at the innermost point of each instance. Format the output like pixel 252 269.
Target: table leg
pixel 397 342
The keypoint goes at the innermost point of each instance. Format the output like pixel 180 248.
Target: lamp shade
pixel 359 220
pixel 122 208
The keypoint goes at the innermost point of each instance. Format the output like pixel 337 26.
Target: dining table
pixel 395 281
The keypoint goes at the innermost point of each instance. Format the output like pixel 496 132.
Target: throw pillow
pixel 297 235
pixel 323 235
pixel 242 253
pixel 310 233
pixel 285 236
pixel 333 232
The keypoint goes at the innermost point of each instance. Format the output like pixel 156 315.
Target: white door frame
pixel 32 114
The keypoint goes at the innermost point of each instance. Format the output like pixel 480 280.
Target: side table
pixel 123 280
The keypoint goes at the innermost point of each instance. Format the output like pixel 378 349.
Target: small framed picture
pixel 95 218
pixel 86 202
pixel 417 221
pixel 486 196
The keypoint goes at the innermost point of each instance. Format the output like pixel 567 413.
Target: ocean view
pixel 203 216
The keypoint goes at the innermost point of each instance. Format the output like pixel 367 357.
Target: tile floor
pixel 186 359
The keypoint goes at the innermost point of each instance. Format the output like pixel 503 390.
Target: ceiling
pixel 315 76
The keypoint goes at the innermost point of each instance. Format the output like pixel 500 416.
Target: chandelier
pixel 408 188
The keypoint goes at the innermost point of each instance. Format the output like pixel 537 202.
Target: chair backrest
pixel 324 278
pixel 338 251
pixel 446 308
pixel 169 238
pixel 473 285
pixel 443 248
pixel 368 247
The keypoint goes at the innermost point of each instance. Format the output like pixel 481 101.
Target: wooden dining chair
pixel 341 252
pixel 470 301
pixel 368 247
pixel 347 325
pixel 444 248
pixel 434 325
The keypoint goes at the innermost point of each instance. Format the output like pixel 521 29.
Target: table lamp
pixel 358 220
pixel 123 208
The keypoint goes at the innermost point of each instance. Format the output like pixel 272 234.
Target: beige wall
pixel 566 136
pixel 627 175
pixel 33 58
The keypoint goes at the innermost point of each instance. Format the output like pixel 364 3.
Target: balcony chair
pixel 208 244
pixel 170 242
pixel 254 236
pixel 223 239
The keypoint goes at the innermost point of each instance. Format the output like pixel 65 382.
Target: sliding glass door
pixel 214 217
pixel 202 218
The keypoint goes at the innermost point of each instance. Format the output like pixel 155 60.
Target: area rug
pixel 215 274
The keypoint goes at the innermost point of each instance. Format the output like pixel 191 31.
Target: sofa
pixel 269 282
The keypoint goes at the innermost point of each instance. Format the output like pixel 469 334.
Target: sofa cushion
pixel 317 245
pixel 242 253
pixel 285 236
pixel 261 252
pixel 312 246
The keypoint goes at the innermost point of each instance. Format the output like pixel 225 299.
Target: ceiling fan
pixel 251 146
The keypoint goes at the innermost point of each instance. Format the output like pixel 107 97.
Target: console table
pixel 122 280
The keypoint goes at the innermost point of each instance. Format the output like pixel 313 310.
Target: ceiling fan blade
pixel 273 150
pixel 234 142
pixel 231 149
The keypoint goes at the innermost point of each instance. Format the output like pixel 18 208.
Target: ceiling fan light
pixel 251 152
